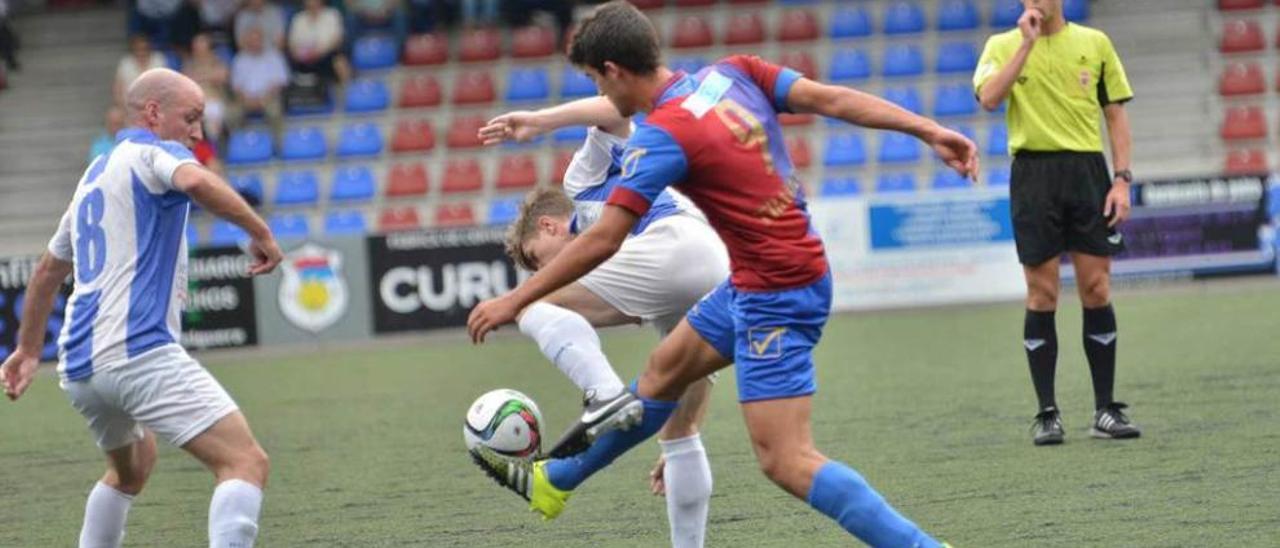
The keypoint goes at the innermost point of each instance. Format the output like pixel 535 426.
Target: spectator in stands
pixel 476 13
pixel 217 15
pixel 519 13
pixel 385 15
pixel 139 59
pixel 264 16
pixel 207 69
pixel 8 40
pixel 426 15
pixel 154 18
pixel 106 140
pixel 315 42
pixel 258 76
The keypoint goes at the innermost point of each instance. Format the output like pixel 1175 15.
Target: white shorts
pixel 660 273
pixel 165 390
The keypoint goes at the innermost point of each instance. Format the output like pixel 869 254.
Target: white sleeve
pixel 60 244
pixel 165 158
pixel 590 165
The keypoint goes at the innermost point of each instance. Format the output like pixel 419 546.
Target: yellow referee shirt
pixel 1056 102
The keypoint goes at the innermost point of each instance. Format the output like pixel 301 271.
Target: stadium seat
pixel 249 186
pixel 1241 79
pixel 801 61
pixel 367 95
pixel 798 150
pixel 421 90
pixel 569 135
pixel 957 15
pixel 359 140
pixel 744 28
pixel 249 146
pixel 406 180
pixel 463 132
pixel 690 65
pixel 748 1
pixel 455 214
pixel 1241 35
pixel 850 65
pixel 898 148
pixel 517 171
pixel 297 187
pixel 691 31
pixel 532 42
pixel 997 175
pixel 903 17
pixel 352 184
pixel 902 60
pixel 840 186
pixel 997 140
pixel 1005 13
pixel 947 179
pixel 289 226
pixel 426 49
pixel 1076 10
pixel 956 57
pixel 481 44
pixel 473 87
pixel 797 26
pixel 345 223
pixel 563 158
pixel 954 100
pixel 850 22
pixel 374 52
pixel 896 182
pixel 574 83
pixel 399 218
pixel 1247 161
pixel 303 143
pixel 504 210
pixel 1229 5
pixel 844 150
pixel 1244 123
pixel 224 234
pixel 528 84
pixel 413 136
pixel 907 97
pixel 462 175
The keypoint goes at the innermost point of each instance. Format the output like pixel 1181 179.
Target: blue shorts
pixel 770 335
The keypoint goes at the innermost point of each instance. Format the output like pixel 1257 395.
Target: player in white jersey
pixel 672 260
pixel 124 239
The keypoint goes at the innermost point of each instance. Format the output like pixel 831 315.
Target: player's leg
pixel 240 468
pixel 683 475
pixel 1040 340
pixel 563 327
pixel 107 508
pixel 1093 281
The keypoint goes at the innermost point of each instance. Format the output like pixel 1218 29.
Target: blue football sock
pixel 840 492
pixel 570 472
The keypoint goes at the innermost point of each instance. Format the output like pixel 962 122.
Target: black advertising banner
pixel 432 279
pixel 14 273
pixel 220 300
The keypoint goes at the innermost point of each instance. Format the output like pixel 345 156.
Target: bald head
pixel 167 103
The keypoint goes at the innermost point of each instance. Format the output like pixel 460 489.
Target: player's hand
pixel 519 126
pixel 1116 208
pixel 656 482
pixel 18 371
pixel 266 256
pixel 1029 23
pixel 489 316
pixel 956 150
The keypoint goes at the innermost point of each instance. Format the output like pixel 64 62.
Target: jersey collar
pixel 139 134
pixel 678 85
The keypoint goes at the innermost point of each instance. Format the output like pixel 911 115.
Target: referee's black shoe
pixel 1047 429
pixel 1111 423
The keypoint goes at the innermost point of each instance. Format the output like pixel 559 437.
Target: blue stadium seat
pixel 957 15
pixel 223 233
pixel 956 57
pixel 898 148
pixel 840 186
pixel 844 150
pixel 896 182
pixel 374 52
pixel 997 140
pixel 1076 10
pixel 303 108
pixel 907 97
pixel 504 210
pixel 297 187
pixel 947 179
pixel 572 134
pixel 352 184
pixel 249 146
pixel 367 95
pixel 361 139
pixel 289 226
pixel 345 223
pixel 1005 13
pixel 575 83
pixel 303 143
pixel 850 22
pixel 997 175
pixel 172 59
pixel 193 235
pixel 902 60
pixel 903 17
pixel 528 84
pixel 849 65
pixel 687 64
pixel 954 100
pixel 249 185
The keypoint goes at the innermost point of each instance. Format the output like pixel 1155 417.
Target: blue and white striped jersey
pixel 125 232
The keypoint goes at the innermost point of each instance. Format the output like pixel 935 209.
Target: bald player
pixel 119 361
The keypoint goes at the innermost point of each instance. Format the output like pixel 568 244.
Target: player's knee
pixel 660 382
pixel 1095 292
pixel 1042 296
pixel 252 465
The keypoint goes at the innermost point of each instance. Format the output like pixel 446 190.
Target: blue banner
pixel 940 221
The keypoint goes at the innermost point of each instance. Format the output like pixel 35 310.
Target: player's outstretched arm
pixel 19 368
pixel 216 196
pixel 524 125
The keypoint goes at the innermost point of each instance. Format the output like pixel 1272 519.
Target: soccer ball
pixel 505 421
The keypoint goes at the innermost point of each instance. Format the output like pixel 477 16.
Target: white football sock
pixel 569 341
pixel 233 514
pixel 687 475
pixel 104 515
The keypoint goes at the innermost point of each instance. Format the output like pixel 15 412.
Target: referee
pixel 1059 77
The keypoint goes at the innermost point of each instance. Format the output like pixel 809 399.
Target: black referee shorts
pixel 1057 200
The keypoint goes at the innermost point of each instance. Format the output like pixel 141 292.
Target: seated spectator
pixel 207 69
pixel 8 40
pixel 315 42
pixel 217 15
pixel 480 13
pixel 267 17
pixel 519 13
pixel 258 75
pixel 385 15
pixel 155 18
pixel 139 59
pixel 427 15
pixel 106 140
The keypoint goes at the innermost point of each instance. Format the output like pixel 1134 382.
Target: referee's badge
pixel 1085 78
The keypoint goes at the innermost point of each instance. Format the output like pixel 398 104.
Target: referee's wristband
pixel 1124 174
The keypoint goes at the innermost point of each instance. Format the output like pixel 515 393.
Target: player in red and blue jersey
pixel 715 136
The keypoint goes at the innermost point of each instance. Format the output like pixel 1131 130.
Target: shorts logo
pixel 766 342
pixel 1115 239
pixel 313 293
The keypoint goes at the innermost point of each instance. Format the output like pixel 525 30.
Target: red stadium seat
pixel 413 136
pixel 1242 123
pixel 517 171
pixel 1248 161
pixel 1241 79
pixel 451 215
pixel 533 41
pixel 798 149
pixel 399 218
pixel 420 91
pixel 798 26
pixel 563 159
pixel 1229 5
pixel 1241 35
pixel 691 31
pixel 473 87
pixel 800 61
pixel 406 180
pixel 480 45
pixel 795 119
pixel 463 132
pixel 426 49
pixel 462 175
pixel 744 28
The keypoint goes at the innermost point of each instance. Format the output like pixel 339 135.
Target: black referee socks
pixel 1100 348
pixel 1040 338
